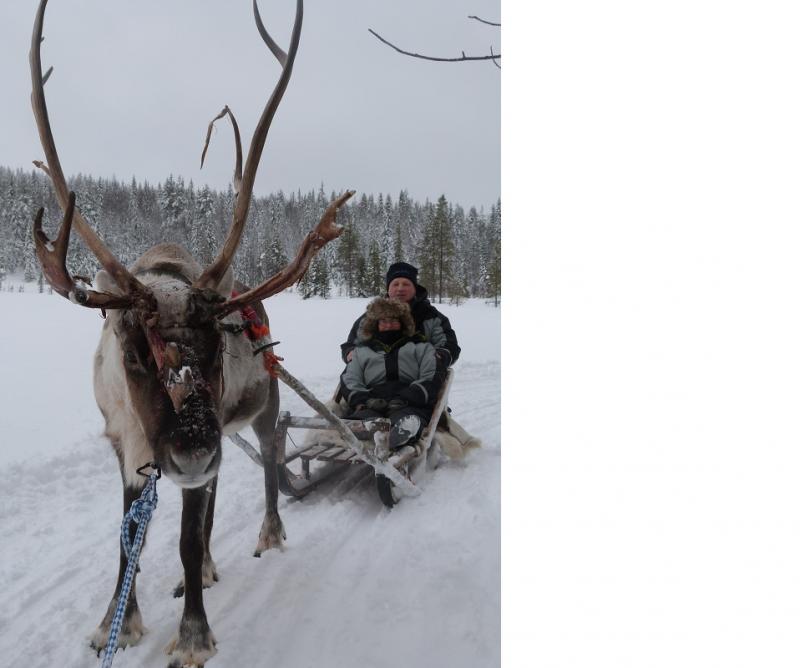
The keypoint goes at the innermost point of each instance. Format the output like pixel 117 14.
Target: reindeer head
pixel 167 323
pixel 171 359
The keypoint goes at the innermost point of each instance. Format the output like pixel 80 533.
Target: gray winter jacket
pixel 406 370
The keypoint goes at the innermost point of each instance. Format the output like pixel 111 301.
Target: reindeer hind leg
pixel 272 533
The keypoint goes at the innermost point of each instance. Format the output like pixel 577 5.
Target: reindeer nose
pixel 194 463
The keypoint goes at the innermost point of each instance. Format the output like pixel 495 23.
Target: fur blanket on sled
pixel 455 442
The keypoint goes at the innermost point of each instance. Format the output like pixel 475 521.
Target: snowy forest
pixel 457 251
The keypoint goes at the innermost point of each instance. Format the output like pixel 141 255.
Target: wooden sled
pixel 305 468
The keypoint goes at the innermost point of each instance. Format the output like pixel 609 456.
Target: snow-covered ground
pixel 357 585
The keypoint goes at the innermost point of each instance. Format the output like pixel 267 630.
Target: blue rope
pixel 140 512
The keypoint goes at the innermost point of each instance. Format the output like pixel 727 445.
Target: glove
pixel 376 404
pixel 358 399
pixel 396 404
pixel 443 357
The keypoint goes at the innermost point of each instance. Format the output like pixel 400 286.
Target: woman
pixel 392 371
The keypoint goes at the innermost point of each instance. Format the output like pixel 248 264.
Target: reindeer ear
pixel 104 283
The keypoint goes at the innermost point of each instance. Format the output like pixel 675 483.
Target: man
pixel 401 285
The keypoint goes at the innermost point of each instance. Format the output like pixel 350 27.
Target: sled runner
pixel 328 453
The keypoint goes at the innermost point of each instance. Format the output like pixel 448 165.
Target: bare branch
pixel 443 60
pixel 488 23
pixel 237 173
pixel 494 61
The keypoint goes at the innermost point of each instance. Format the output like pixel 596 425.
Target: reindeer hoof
pixel 193 645
pixel 271 535
pixel 130 634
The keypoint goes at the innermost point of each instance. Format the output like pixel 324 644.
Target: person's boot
pixel 406 429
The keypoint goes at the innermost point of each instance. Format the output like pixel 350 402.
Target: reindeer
pixel 173 371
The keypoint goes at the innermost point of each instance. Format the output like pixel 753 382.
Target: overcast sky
pixel 136 83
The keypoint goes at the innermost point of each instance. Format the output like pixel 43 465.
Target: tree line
pixel 457 251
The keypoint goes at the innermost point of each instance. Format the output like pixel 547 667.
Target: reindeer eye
pixel 130 357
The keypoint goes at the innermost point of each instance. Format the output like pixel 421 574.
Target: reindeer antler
pixel 212 275
pixel 122 277
pixel 52 256
pixel 237 171
pixel 325 231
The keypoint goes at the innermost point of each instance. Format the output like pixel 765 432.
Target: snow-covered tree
pixel 202 237
pixel 375 272
pixel 437 250
pixel 133 217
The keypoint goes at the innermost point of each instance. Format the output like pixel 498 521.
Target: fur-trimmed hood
pixel 386 308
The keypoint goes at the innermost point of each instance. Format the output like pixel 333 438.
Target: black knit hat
pixel 401 270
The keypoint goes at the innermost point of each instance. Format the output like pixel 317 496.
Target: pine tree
pixel 347 257
pixel 202 236
pixel 273 259
pixel 387 240
pixel 320 285
pixel 173 204
pixel 493 282
pixel 361 281
pixel 470 251
pixel 494 263
pixel 18 213
pixel 438 250
pixel 375 275
pixel 133 240
pixel 305 287
pixel 426 257
pixel 404 228
pixel 397 247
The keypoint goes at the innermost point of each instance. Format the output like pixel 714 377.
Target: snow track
pixel 357 584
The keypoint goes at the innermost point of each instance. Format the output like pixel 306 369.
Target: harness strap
pixel 255 328
pixel 255 331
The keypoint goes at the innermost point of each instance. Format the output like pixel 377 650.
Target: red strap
pixel 255 328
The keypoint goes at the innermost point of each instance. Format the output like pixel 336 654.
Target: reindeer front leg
pixel 194 644
pixel 132 627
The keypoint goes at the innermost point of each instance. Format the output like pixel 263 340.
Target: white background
pixel 650 334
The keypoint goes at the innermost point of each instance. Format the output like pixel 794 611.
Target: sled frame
pixel 332 458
